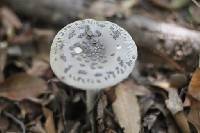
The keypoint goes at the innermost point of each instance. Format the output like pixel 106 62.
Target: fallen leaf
pixel 24 38
pixel 75 127
pixel 170 4
pixel 4 123
pixel 43 37
pixel 36 126
pixel 126 109
pixel 22 86
pixel 39 67
pixel 30 109
pixel 3 57
pixel 102 8
pixel 177 80
pixel 175 105
pixel 49 124
pixel 150 119
pixel 102 103
pixel 193 115
pixel 139 90
pixel 126 5
pixel 10 18
pixel 195 13
pixel 194 86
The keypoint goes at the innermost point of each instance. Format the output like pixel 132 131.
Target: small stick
pixel 21 124
pixel 199 60
pixel 196 3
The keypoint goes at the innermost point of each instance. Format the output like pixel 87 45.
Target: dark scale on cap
pixel 61 33
pixel 98 81
pixel 129 63
pixel 86 61
pixel 112 54
pixel 83 80
pixel 71 34
pixel 117 70
pixel 104 61
pixel 61 46
pixel 111 73
pixel 82 65
pixel 122 71
pixel 98 74
pixel 79 59
pixel 83 72
pixel 92 67
pixel 74 78
pixel 67 68
pixel 100 67
pixel 78 79
pixel 63 58
pixel 105 78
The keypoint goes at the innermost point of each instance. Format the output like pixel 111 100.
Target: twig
pixel 16 121
pixel 196 3
pixel 199 60
pixel 174 104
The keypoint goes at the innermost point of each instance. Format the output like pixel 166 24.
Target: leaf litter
pixel 161 97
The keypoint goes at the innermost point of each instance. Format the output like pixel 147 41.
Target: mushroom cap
pixel 90 54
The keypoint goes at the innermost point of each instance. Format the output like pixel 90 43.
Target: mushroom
pixel 92 55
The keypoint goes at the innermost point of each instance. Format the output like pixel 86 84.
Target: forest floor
pixel 162 94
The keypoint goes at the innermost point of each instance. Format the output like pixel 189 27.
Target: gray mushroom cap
pixel 90 54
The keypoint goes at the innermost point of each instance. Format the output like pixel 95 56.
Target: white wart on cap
pixel 90 54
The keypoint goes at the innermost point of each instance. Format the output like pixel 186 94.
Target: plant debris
pixel 162 95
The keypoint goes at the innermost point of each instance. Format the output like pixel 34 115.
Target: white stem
pixel 91 97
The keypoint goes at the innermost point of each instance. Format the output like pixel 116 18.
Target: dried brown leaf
pixel 22 86
pixel 23 38
pixel 39 67
pixel 4 123
pixel 49 124
pixel 3 57
pixel 175 105
pixel 100 112
pixel 126 109
pixel 43 37
pixel 195 13
pixel 193 115
pixel 194 86
pixel 36 127
pixel 75 127
pixel 10 18
pixel 139 90
pixel 105 8
pixel 30 109
pixel 170 4
pixel 102 8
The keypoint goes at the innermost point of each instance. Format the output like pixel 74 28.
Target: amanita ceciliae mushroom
pixel 92 55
